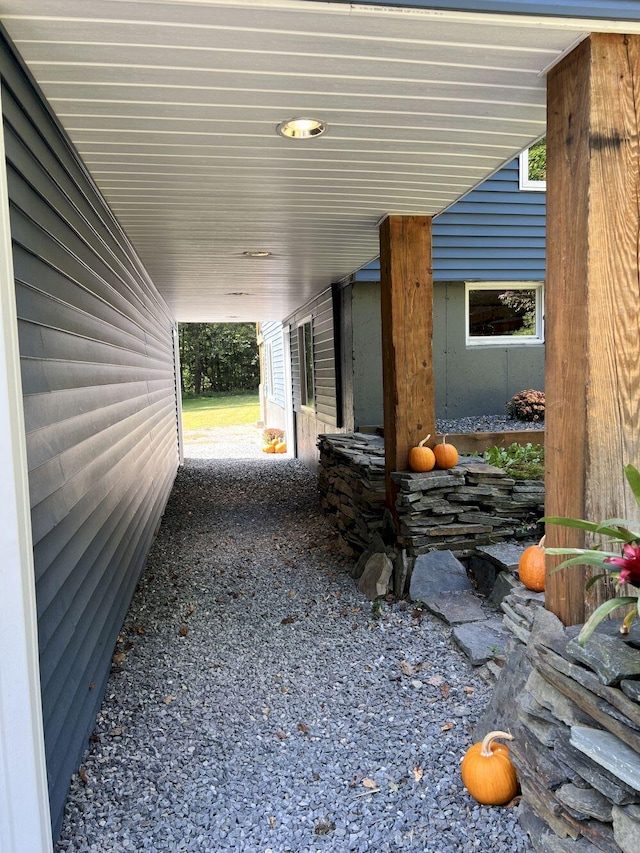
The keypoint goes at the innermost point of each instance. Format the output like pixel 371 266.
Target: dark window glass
pixel 498 313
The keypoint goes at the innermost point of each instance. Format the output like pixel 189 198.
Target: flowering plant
pixel 625 567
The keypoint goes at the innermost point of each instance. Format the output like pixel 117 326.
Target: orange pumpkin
pixel 281 447
pixel 487 771
pixel 422 458
pixel 446 454
pixel 269 448
pixel 532 568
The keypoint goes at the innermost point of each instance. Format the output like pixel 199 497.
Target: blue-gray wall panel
pixel 272 334
pixel 495 233
pixel 96 345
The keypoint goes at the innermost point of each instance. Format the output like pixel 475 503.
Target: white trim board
pixel 25 822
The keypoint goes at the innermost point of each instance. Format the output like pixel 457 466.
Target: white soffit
pixel 174 105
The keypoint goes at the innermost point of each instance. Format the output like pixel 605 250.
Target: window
pixel 504 313
pixel 533 167
pixel 305 348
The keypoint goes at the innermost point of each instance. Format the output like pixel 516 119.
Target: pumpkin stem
pixel 444 438
pixel 486 750
pixel 424 441
pixel 541 542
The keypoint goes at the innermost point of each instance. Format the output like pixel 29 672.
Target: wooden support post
pixel 407 330
pixel 592 296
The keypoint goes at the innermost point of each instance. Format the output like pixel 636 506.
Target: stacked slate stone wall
pixel 575 716
pixel 458 509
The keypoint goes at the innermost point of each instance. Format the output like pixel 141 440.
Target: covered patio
pixel 147 183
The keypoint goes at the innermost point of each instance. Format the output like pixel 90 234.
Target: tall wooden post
pixel 592 296
pixel 407 330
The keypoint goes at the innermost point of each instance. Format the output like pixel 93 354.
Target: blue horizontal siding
pixel 619 10
pixel 272 333
pixel 495 233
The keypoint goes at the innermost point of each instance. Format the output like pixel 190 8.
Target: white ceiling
pixel 173 106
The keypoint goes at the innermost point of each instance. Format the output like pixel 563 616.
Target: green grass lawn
pixel 220 410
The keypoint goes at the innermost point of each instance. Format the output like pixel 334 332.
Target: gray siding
pixel 469 380
pixel 96 348
pixel 324 364
pixel 495 233
pixel 272 334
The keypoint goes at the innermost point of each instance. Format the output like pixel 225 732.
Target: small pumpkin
pixel 269 448
pixel 281 447
pixel 422 458
pixel 531 567
pixel 487 771
pixel 446 454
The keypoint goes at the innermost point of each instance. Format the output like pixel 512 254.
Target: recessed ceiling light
pixel 238 293
pixel 257 254
pixel 301 128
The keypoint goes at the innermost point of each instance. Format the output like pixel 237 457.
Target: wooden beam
pixel 407 330
pixel 592 423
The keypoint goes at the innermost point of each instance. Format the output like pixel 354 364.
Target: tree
pixel 218 357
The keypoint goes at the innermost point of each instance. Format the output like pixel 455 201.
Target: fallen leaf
pixel 281 735
pixel 435 680
pixel 302 728
pixel 447 727
pixel 119 657
pixel 469 690
pixel 192 608
pixel 292 593
pixel 82 773
pixel 266 710
pixel 168 699
pixel 369 783
pixel 92 685
pixel 272 823
pixel 183 630
pixel 117 731
pixel 288 620
pixel 514 802
pixel 444 689
pixel 418 773
pixel 407 668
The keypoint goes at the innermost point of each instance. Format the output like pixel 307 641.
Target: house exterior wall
pixel 495 233
pixel 99 391
pixel 272 380
pixel 326 416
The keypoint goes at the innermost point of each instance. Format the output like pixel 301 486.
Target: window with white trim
pixel 305 349
pixel 504 313
pixel 533 167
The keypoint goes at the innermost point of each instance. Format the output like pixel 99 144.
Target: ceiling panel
pixel 173 106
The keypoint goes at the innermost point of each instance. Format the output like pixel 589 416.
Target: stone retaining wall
pixel 575 716
pixel 459 509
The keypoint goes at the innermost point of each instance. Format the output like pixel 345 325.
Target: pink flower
pixel 629 565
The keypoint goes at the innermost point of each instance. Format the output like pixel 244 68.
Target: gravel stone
pixel 484 423
pixel 263 728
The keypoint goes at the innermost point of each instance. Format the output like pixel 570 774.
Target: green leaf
pixel 601 613
pixel 594 580
pixel 624 526
pixel 582 560
pixel 633 478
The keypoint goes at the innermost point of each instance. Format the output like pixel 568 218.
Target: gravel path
pixel 259 703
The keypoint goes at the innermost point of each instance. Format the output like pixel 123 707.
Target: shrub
pixel 526 406
pixel 520 461
pixel 272 433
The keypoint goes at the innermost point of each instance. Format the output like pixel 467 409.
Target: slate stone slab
pixel 587 801
pixel 481 641
pixel 375 578
pixel 437 572
pixel 631 688
pixel 505 555
pixel 612 788
pixel 455 607
pixel 547 630
pixel 626 828
pixel 562 708
pixel 504 585
pixel 609 752
pixel 609 657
